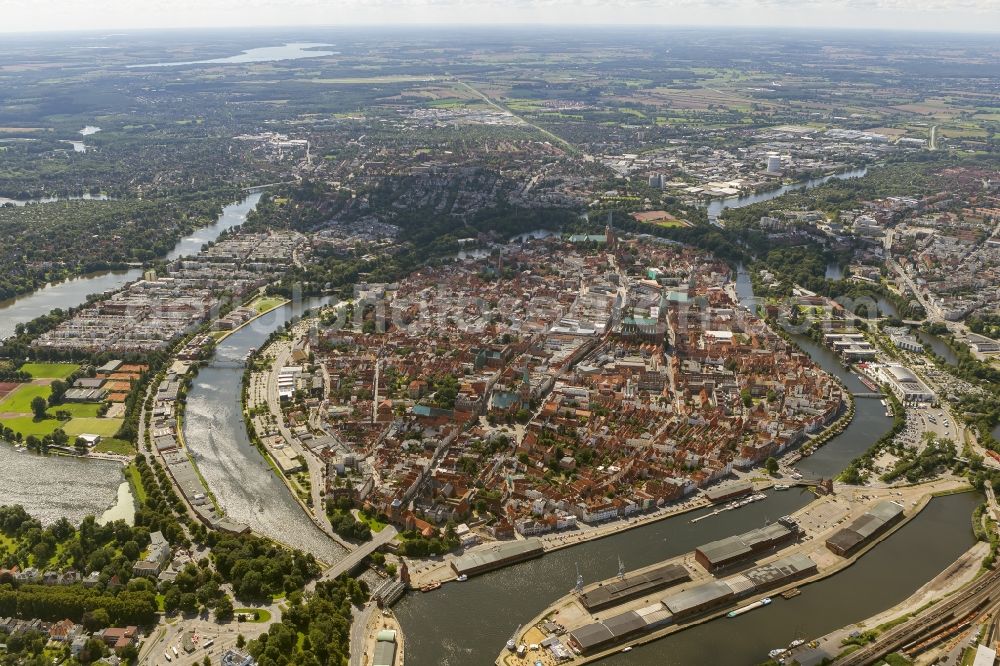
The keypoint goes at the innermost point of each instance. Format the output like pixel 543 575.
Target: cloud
pixel 23 15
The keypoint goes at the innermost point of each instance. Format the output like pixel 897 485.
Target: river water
pixel 72 293
pixel 243 483
pixel 469 623
pixel 232 215
pixel 716 206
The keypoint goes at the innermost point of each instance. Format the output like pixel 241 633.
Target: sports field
pixel 50 370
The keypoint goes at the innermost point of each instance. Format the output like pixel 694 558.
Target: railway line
pixel 936 623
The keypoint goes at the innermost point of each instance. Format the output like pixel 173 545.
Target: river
pixel 470 623
pixel 716 206
pixel 74 292
pixel 243 483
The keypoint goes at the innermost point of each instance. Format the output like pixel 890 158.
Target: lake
pixel 64 487
pixel 44 200
pixel 292 51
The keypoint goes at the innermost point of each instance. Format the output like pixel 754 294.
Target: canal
pixel 469 623
pixel 246 488
pixel 74 292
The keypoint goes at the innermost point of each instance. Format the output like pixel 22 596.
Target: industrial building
pixel 699 599
pixel 865 528
pixel 619 628
pixel 724 552
pixel 500 555
pixel 633 586
pixel 774 574
pixel 729 491
pixel 851 346
pixel 385 648
pixel 905 385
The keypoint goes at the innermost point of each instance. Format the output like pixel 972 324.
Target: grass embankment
pixel 135 480
pixel 265 303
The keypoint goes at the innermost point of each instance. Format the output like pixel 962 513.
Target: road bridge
pixel 353 559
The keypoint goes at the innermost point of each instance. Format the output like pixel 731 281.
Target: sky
pixel 937 15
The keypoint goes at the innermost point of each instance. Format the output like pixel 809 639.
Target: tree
pixel 224 609
pixel 172 600
pixel 96 619
pixel 241 641
pixel 38 407
pixel 58 388
pixel 771 465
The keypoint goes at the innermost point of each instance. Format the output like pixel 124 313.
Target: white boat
pixel 781 486
pixel 776 652
pixel 794 644
pixel 462 578
pixel 627 649
pixel 511 645
pixel 749 607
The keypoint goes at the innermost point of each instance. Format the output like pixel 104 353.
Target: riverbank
pixel 72 291
pixel 568 612
pixel 960 573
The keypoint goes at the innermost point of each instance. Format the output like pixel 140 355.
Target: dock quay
pixel 741 576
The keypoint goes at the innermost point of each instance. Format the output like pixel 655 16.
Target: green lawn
pixel 374 524
pixel 19 401
pixel 94 426
pixel 50 370
pixel 112 445
pixel 137 487
pixel 78 409
pixel 263 615
pixel 26 425
pixel 266 303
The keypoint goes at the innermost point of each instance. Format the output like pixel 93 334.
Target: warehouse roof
pixel 741 545
pixel 496 555
pixel 592 635
pixel 728 489
pixel 786 567
pixel 697 596
pixel 385 653
pixel 634 584
pixel 624 624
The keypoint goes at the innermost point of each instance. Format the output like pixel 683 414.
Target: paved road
pixel 359 633
pixel 354 558
pixel 317 470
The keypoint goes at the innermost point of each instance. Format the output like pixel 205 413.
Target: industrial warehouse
pixel 865 528
pixel 498 556
pixel 722 553
pixel 633 586
pixel 702 598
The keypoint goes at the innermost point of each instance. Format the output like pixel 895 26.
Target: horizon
pixel 27 17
